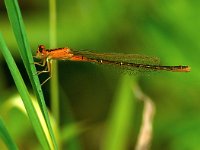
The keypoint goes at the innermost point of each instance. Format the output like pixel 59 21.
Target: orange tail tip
pixel 182 69
pixel 187 69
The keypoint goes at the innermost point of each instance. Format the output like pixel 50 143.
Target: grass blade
pixel 54 80
pixel 6 137
pixel 24 95
pixel 25 51
pixel 120 117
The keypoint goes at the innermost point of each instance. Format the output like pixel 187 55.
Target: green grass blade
pixel 121 117
pixel 5 136
pixel 25 51
pixel 24 95
pixel 54 80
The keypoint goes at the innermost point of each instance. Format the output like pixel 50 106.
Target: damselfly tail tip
pixel 188 69
pixel 182 69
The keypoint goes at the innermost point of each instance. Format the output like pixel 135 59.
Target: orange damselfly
pixel 126 61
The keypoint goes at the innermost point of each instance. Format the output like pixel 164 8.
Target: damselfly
pixel 126 61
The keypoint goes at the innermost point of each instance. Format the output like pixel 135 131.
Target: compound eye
pixel 41 48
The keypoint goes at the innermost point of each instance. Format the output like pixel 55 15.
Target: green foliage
pixel 121 117
pixel 98 98
pixel 6 137
pixel 24 95
pixel 20 34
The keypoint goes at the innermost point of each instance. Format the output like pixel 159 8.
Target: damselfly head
pixel 41 48
pixel 41 52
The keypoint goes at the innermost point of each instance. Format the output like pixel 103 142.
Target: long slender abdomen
pixel 145 66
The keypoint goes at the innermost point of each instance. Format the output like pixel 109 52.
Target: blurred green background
pixel 168 29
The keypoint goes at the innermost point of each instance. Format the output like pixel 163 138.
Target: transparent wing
pixel 119 57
